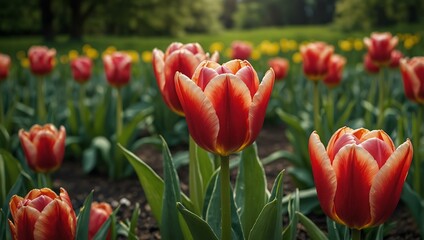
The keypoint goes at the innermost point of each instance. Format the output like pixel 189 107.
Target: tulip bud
pixel 316 58
pixel 335 71
pixel 380 47
pixel 241 50
pixel 280 67
pixel 81 69
pixel 395 58
pixel 41 59
pixel 413 78
pixel 99 213
pixel 4 66
pixel 118 68
pixel 369 66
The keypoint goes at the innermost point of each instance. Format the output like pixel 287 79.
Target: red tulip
pixel 42 215
pixel 99 213
pixel 4 66
pixel 369 66
pixel 395 58
pixel 413 78
pixel 316 58
pixel 81 69
pixel 359 177
pixel 335 71
pixel 280 67
pixel 380 47
pixel 224 105
pixel 178 57
pixel 241 50
pixel 118 68
pixel 41 59
pixel 44 147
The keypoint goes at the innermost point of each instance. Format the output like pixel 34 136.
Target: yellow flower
pixel 292 45
pixel 92 53
pixel 216 47
pixel 345 45
pixel 358 44
pixel 73 54
pixel 21 55
pixel 228 52
pixel 147 56
pixel 86 48
pixel 109 50
pixel 297 57
pixel 408 43
pixel 256 54
pixel 25 62
pixel 269 48
pixel 134 55
pixel 64 59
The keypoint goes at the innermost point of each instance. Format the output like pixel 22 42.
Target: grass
pixel 11 45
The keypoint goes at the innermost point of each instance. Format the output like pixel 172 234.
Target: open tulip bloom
pixel 359 177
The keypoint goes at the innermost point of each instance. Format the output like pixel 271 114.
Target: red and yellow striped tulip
pixel 81 69
pixel 41 59
pixel 117 68
pixel 316 58
pixel 178 57
pixel 380 47
pixel 359 177
pixel 413 78
pixel 224 104
pixel 42 215
pixel 99 213
pixel 44 147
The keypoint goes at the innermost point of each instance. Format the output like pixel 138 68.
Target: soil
pixel 128 192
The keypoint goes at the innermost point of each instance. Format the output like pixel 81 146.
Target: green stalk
pixel 2 120
pixel 416 131
pixel 118 160
pixel 316 108
pixel 225 199
pixel 381 87
pixel 371 96
pixel 330 109
pixel 356 234
pixel 83 113
pixel 3 192
pixel 44 180
pixel 41 106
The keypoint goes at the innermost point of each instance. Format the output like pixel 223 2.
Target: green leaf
pixel 170 226
pixel 346 114
pixel 415 204
pixel 89 159
pixel 9 172
pixel 313 231
pixel 198 227
pixel 130 128
pixel 72 118
pixel 100 114
pixel 133 223
pixel 250 192
pixel 4 138
pixel 84 218
pixel 151 183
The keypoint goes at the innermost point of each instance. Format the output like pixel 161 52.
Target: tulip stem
pixel 416 131
pixel 41 107
pixel 2 120
pixel 118 160
pixel 381 87
pixel 330 109
pixel 316 107
pixel 43 180
pixel 371 99
pixel 82 107
pixel 225 199
pixel 356 234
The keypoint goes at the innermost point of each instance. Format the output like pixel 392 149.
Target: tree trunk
pixel 47 20
pixel 230 7
pixel 75 31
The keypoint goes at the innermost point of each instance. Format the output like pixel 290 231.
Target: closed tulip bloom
pixel 41 59
pixel 395 58
pixel 4 66
pixel 241 50
pixel 81 69
pixel 117 68
pixel 335 71
pixel 224 104
pixel 316 58
pixel 99 213
pixel 413 78
pixel 42 215
pixel 178 57
pixel 44 147
pixel 380 47
pixel 359 177
pixel 369 66
pixel 280 67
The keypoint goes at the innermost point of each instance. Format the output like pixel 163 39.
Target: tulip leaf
pixel 72 118
pixel 250 189
pixel 170 225
pixel 198 227
pixel 345 115
pixel 100 114
pixel 213 211
pixel 130 128
pixel 4 138
pixel 414 202
pixel 313 230
pixel 133 223
pixel 84 218
pixel 9 173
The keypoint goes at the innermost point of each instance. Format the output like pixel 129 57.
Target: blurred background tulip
pixel 241 50
pixel 280 67
pixel 369 66
pixel 41 59
pixel 117 68
pixel 335 71
pixel 316 58
pixel 359 176
pixel 413 78
pixel 4 66
pixel 42 214
pixel 395 58
pixel 380 47
pixel 99 213
pixel 81 69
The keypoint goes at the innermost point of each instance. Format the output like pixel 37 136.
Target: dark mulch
pixel 128 192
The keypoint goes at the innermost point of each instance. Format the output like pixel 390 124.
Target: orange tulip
pixel 117 68
pixel 224 105
pixel 42 215
pixel 4 66
pixel 380 47
pixel 41 59
pixel 44 147
pixel 335 71
pixel 395 58
pixel 81 69
pixel 241 50
pixel 316 58
pixel 413 78
pixel 178 57
pixel 99 213
pixel 280 67
pixel 359 177
pixel 369 66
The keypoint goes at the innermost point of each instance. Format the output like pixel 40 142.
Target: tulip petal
pixel 14 204
pixel 201 117
pixel 55 222
pixel 39 192
pixel 13 231
pixel 231 100
pixel 250 78
pixel 344 140
pixel 40 202
pixel 259 104
pixel 29 148
pixel 25 221
pixel 64 196
pixel 46 159
pixel 205 75
pixel 158 67
pixel 378 149
pixel 59 146
pixel 324 176
pixel 340 132
pixel 355 170
pixel 387 185
pixel 379 134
